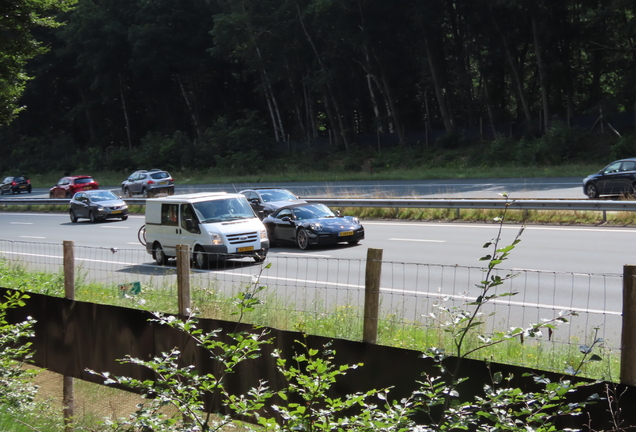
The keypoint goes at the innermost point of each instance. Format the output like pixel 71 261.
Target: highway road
pixel 559 267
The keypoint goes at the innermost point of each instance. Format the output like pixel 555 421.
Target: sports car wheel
pixel 91 217
pixel 201 259
pixel 73 216
pixel 302 239
pixel 591 191
pixel 159 256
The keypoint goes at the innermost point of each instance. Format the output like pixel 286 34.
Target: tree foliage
pixel 121 71
pixel 19 20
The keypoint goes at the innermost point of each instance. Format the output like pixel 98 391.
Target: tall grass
pixel 343 321
pixel 275 174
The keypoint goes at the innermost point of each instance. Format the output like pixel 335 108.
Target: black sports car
pixel 97 205
pixel 312 224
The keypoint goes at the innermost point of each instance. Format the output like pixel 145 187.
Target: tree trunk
pixel 125 110
pixel 335 118
pixel 389 100
pixel 271 99
pixel 436 77
pixel 89 117
pixel 191 109
pixel 374 102
pixel 514 68
pixel 543 80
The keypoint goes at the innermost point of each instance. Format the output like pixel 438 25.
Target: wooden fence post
pixel 183 279
pixel 68 394
pixel 372 295
pixel 628 335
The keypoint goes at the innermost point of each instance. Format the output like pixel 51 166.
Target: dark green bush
pixel 624 148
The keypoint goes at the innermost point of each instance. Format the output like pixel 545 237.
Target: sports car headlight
pixel 216 239
pixel 100 208
pixel 315 227
pixel 355 221
pixel 263 234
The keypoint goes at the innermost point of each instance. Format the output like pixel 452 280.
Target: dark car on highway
pixel 308 224
pixel 266 200
pixel 617 178
pixel 68 186
pixel 96 205
pixel 148 183
pixel 15 185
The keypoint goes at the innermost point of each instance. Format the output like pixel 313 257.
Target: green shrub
pixel 624 148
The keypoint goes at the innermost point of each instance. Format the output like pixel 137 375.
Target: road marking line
pixel 32 237
pixel 114 227
pixel 419 240
pixel 21 223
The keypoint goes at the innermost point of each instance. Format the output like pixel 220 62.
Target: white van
pixel 215 226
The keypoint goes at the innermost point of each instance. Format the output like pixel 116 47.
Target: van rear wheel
pixel 201 258
pixel 159 255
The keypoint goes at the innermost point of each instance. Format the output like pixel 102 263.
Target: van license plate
pixel 346 233
pixel 245 249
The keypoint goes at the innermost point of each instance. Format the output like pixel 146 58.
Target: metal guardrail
pixel 522 204
pixel 585 205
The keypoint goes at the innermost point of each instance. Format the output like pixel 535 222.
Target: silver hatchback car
pixel 148 183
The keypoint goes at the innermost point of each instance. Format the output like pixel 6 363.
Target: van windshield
pixel 223 210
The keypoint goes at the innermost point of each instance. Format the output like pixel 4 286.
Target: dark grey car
pixel 617 178
pixel 96 205
pixel 148 183
pixel 266 200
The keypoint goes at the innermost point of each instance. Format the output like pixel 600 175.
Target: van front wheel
pixel 201 259
pixel 159 256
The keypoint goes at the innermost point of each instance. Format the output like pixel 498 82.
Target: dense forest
pixel 200 84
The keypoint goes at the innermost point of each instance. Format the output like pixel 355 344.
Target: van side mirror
pixel 190 224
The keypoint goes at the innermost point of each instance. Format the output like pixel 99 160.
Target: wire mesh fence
pixel 325 296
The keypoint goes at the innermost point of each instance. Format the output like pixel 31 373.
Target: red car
pixel 67 186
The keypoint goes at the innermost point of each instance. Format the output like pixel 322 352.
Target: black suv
pixel 148 183
pixel 15 185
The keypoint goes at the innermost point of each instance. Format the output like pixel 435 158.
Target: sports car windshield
pixel 313 211
pixel 223 210
pixel 103 196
